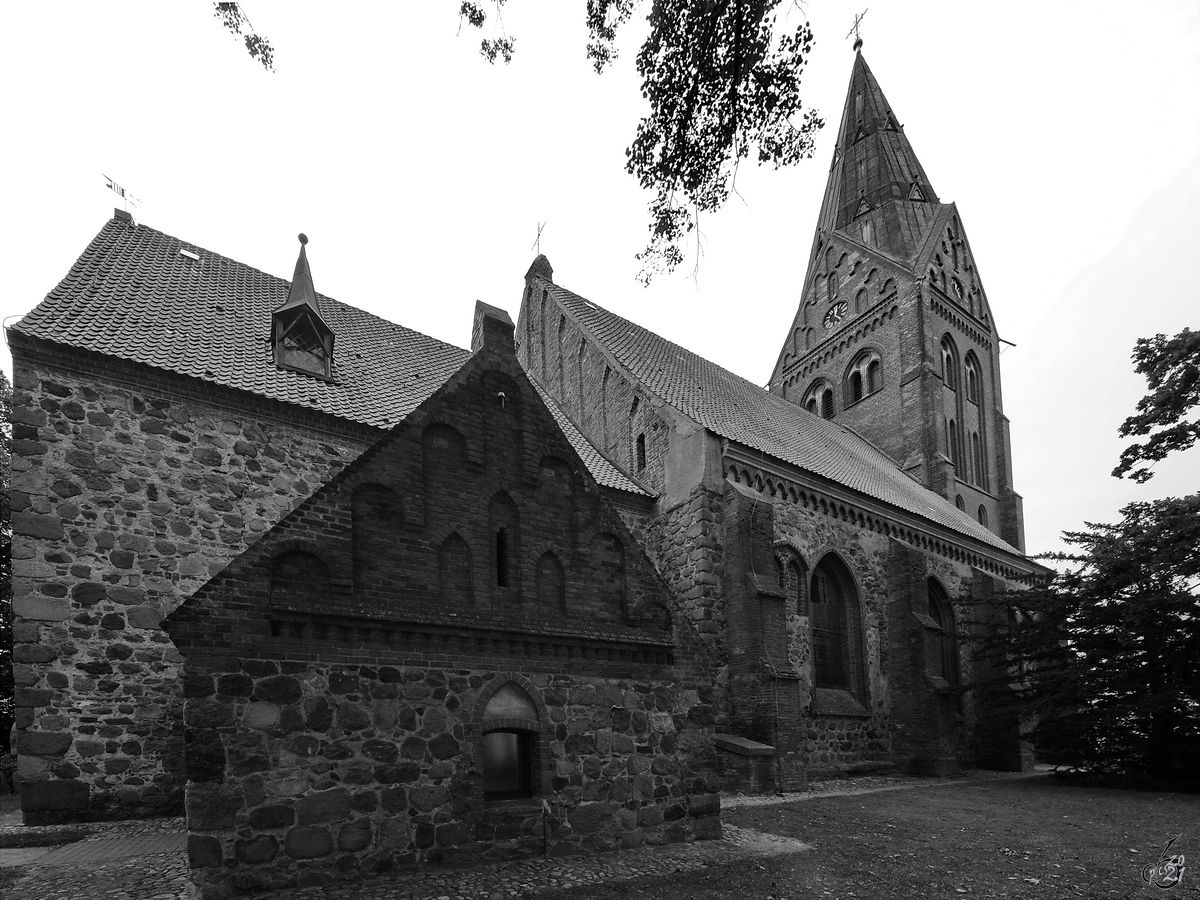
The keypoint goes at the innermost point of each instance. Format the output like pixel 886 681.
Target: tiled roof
pixel 601 468
pixel 133 294
pixel 739 410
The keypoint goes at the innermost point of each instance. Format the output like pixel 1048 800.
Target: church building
pixel 360 600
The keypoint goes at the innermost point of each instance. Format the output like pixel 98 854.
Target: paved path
pixel 147 860
pixel 153 866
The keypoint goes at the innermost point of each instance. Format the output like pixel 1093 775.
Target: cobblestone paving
pixel 164 876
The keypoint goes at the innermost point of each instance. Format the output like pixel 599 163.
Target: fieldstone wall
pixel 308 774
pixel 685 544
pixel 129 488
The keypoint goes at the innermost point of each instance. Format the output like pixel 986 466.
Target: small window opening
pixel 501 557
pixel 507 769
pixel 641 452
pixel 856 386
pixel 983 518
pixel 827 404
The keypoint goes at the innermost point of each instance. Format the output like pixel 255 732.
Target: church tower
pixel 894 336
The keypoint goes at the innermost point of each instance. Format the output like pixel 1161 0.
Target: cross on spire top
pixel 858 41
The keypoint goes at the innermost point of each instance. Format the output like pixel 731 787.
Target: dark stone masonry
pixel 359 601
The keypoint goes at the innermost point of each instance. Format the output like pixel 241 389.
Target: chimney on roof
pixel 540 269
pixel 492 329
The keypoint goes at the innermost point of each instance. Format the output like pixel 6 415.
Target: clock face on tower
pixel 836 314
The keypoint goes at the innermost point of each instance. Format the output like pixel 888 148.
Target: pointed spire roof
pixel 875 176
pixel 302 292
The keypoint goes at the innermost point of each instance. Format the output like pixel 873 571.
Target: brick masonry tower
pixel 894 336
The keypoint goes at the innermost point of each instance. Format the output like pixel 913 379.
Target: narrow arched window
pixel 960 503
pixel 791 580
pixel 982 516
pixel 641 452
pixel 949 364
pixel 831 286
pixel 952 437
pixel 971 369
pixel 943 656
pixel 505 549
pixel 874 376
pixel 977 457
pixel 856 386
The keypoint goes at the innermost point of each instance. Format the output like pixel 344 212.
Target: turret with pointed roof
pixel 894 335
pixel 303 340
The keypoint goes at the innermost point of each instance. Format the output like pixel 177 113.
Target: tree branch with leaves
pixel 722 78
pixel 1172 370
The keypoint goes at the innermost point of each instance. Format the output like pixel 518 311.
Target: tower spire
pixel 877 192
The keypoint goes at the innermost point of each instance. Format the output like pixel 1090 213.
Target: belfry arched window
pixel 864 376
pixel 819 399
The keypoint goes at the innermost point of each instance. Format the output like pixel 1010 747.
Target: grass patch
pixel 1025 838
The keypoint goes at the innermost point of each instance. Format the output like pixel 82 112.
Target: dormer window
pixel 303 342
pixel 300 345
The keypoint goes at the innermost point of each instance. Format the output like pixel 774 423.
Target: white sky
pixel 1068 133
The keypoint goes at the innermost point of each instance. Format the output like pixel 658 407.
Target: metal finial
pixel 303 238
pixel 858 42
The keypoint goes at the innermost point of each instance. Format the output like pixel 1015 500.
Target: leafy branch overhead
pixel 234 19
pixel 723 82
pixel 722 78
pixel 1172 370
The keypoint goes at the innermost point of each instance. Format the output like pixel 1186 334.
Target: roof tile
pixel 131 294
pixel 739 410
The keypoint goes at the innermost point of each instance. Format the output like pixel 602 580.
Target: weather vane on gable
pixel 537 244
pixel 121 192
pixel 854 30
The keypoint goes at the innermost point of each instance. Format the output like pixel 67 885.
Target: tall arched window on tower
pixel 819 399
pixel 864 376
pixel 837 650
pixel 949 364
pixel 976 459
pixel 971 368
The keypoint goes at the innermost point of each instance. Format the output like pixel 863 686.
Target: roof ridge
pixel 824 448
